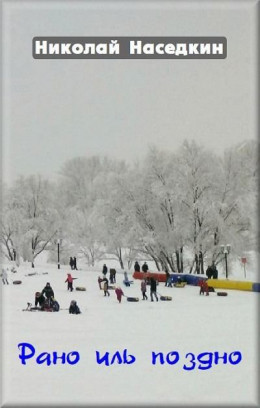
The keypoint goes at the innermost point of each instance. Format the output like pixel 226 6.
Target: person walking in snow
pixel 5 277
pixel 105 286
pixel 153 288
pixel 119 293
pixel 136 267
pixel 143 289
pixel 69 280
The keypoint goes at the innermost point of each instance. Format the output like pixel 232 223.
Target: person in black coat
pixel 75 263
pixel 104 269
pixel 214 271
pixel 71 263
pixel 209 272
pixel 39 299
pixel 74 309
pixel 48 291
pixel 145 267
pixel 136 267
pixel 153 288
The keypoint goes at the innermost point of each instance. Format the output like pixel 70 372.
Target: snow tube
pixel 132 299
pixel 81 288
pixel 17 282
pixel 179 285
pixel 165 298
pixel 211 289
pixel 222 293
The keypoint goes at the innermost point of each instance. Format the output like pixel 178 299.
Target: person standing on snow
pixel 71 263
pixel 75 263
pixel 153 288
pixel 104 271
pixel 119 293
pixel 69 280
pixel 105 286
pixel 145 267
pixel 143 289
pixel 204 287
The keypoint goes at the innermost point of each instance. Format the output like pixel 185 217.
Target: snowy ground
pixel 188 324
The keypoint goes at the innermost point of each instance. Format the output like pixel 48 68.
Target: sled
pixel 132 299
pixel 81 288
pixel 111 287
pixel 222 293
pixel 17 282
pixel 179 285
pixel 165 298
pixel 33 309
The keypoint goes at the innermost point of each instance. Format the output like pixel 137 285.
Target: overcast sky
pixel 55 110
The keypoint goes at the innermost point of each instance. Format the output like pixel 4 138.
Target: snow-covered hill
pixel 186 327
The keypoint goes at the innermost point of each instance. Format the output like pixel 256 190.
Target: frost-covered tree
pixel 31 211
pixel 235 199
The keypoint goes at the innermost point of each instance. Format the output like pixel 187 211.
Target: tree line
pixel 175 208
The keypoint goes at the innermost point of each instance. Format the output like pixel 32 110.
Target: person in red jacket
pixel 69 280
pixel 204 287
pixel 119 294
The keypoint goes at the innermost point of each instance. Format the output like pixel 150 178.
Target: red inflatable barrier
pixel 160 277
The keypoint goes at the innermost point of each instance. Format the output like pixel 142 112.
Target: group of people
pixel 73 263
pixel 153 288
pixel 105 285
pixel 212 272
pixel 46 302
pixel 118 291
pixel 45 299
pixel 137 267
